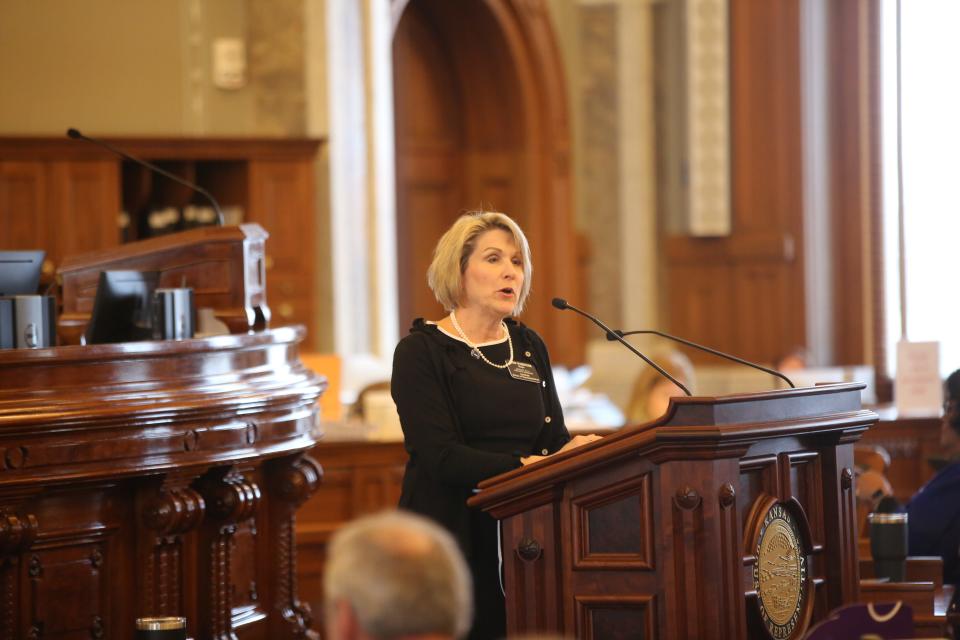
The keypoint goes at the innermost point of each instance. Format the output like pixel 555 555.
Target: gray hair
pixel 401 574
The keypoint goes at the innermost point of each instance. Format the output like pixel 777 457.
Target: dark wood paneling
pixel 66 197
pixel 856 184
pixel 154 478
pixel 718 469
pixel 751 283
pixel 359 478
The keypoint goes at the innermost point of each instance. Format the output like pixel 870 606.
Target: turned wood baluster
pixel 230 498
pixel 167 513
pixel 17 532
pixel 291 482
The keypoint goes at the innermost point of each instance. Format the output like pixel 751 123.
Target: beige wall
pixel 144 68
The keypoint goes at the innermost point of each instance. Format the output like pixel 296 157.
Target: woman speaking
pixel 475 393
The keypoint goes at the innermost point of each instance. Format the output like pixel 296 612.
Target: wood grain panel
pixel 758 269
pixel 856 184
pixel 699 303
pixel 613 527
pixel 762 296
pixel 86 204
pixel 23 201
pixel 602 617
pixel 534 555
pixel 359 478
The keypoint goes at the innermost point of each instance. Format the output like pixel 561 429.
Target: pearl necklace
pixel 475 351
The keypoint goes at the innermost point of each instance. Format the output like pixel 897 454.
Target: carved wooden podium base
pixel 155 478
pixel 731 517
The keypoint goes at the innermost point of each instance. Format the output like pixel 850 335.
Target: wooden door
pixel 429 144
pixel 481 123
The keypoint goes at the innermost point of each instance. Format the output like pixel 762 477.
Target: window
pixel 930 117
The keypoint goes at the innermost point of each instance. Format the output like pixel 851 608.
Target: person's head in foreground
pixel 395 575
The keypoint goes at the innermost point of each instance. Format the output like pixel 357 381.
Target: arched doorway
pixel 481 122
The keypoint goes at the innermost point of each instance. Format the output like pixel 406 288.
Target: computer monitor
pixel 122 309
pixel 20 272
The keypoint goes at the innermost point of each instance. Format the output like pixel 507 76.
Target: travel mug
pixel 888 544
pixel 174 317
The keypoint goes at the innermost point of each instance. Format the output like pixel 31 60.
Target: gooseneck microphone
pixel 617 334
pixel 76 135
pixel 562 304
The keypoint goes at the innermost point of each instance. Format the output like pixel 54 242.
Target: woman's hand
pixel 576 441
pixel 579 441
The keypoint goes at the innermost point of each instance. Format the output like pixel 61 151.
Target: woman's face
pixel 493 277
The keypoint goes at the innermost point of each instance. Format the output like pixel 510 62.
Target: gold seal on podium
pixel 780 573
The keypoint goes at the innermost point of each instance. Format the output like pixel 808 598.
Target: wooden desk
pixel 155 478
pixel 359 477
pixel 923 590
pixel 910 443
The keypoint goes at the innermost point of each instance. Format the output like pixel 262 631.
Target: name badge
pixel 523 371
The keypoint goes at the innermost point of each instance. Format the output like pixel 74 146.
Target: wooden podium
pixel 155 478
pixel 731 517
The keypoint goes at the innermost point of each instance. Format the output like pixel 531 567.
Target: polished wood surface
pixel 155 478
pixel 66 197
pixel 688 489
pixel 922 589
pixel 225 267
pixel 482 123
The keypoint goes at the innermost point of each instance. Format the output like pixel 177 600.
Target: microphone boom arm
pixel 76 135
pixel 614 335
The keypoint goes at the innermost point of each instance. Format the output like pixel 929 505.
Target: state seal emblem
pixel 780 573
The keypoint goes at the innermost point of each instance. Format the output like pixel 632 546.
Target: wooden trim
pixel 206 148
pixel 856 204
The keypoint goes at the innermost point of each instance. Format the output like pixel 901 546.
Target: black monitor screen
pixel 122 309
pixel 20 272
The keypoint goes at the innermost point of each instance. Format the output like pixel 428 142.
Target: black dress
pixel 464 421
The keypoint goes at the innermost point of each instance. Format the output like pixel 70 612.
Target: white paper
pixel 918 390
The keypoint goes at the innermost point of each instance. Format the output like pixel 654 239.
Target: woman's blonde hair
pixel 445 274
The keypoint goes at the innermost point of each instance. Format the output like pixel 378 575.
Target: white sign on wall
pixel 918 390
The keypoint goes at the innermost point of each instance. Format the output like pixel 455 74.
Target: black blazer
pixel 442 470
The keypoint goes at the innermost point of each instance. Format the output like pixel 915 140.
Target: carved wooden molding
pixel 299 480
pixel 687 533
pixel 586 556
pixel 16 532
pixel 174 511
pixel 292 481
pixel 166 513
pixel 232 499
pixel 731 562
pixel 589 608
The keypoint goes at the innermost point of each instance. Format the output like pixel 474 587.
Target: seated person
pixel 794 360
pixel 934 512
pixel 395 575
pixel 652 392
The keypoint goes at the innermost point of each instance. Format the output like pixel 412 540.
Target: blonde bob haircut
pixel 445 274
